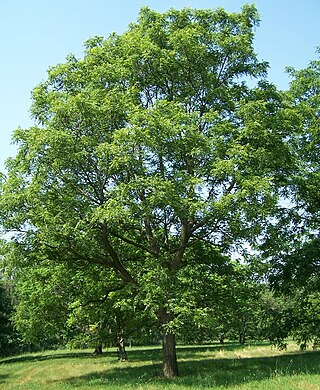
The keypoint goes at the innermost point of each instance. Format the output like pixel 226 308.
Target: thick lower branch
pixel 115 261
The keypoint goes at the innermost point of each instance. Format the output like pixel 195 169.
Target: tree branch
pixel 116 263
pixel 131 242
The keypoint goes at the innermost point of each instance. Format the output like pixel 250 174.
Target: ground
pixel 255 367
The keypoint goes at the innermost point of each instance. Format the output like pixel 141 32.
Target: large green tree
pixel 293 244
pixel 149 148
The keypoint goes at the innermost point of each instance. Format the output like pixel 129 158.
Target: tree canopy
pixel 152 156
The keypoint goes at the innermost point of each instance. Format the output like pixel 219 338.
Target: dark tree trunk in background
pixel 242 338
pixel 122 354
pixel 98 350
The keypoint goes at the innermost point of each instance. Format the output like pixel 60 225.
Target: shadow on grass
pixel 141 355
pixel 3 378
pixel 38 357
pixel 194 352
pixel 144 367
pixel 189 352
pixel 205 373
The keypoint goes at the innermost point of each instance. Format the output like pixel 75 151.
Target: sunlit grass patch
pixel 229 366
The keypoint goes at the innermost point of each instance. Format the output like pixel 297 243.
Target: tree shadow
pixel 229 372
pixel 187 351
pixel 149 354
pixel 134 355
pixel 3 378
pixel 206 372
pixel 190 351
pixel 43 356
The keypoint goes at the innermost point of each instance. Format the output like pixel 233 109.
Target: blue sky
pixel 36 34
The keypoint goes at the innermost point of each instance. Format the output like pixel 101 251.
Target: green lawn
pixel 253 367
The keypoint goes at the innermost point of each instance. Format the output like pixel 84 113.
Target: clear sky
pixel 36 34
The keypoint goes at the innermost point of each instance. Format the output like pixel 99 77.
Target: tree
pixel 293 243
pixel 148 147
pixel 241 306
pixel 58 303
pixel 8 336
pixel 228 305
pixel 41 308
pixel 302 99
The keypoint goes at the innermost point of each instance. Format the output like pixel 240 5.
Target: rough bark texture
pixel 170 364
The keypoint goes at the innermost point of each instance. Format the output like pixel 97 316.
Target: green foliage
pixel 147 150
pixel 304 96
pixel 228 305
pixel 58 304
pixel 8 336
pixel 293 243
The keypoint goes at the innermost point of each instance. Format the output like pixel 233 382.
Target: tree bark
pixel 122 353
pixel 170 364
pixel 98 350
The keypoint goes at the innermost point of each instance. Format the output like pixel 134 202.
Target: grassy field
pixel 253 367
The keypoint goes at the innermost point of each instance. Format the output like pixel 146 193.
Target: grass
pixel 253 367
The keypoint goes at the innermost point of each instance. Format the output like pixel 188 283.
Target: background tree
pixel 242 305
pixel 8 335
pixel 293 242
pixel 148 145
pixel 9 338
pixel 59 304
pixel 228 307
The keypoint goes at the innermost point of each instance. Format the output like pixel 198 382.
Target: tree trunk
pixel 170 364
pixel 122 353
pixel 98 350
pixel 242 338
